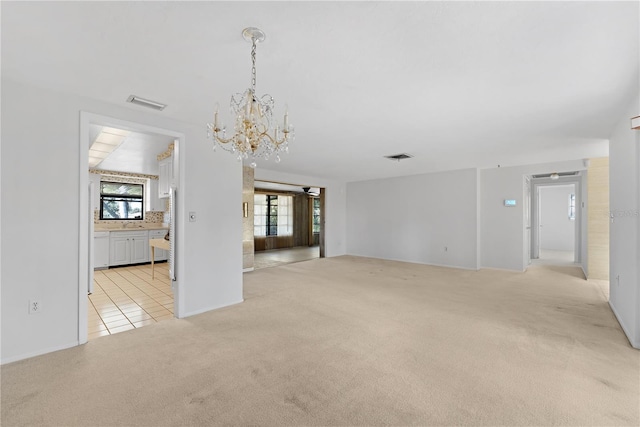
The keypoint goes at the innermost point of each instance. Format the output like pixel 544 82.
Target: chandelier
pixel 255 134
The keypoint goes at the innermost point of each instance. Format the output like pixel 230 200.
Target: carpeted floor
pixel 353 341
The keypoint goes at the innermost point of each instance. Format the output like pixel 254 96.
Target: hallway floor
pixel 275 257
pixel 125 298
pixel 551 257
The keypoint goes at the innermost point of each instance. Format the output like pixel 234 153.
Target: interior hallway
pixel 551 257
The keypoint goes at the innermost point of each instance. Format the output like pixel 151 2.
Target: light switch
pixel 192 217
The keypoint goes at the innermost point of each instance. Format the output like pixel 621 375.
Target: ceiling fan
pixel 308 192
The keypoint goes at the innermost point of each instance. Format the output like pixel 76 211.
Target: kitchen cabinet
pixel 160 254
pixel 165 177
pixel 100 249
pixel 128 247
pixel 152 200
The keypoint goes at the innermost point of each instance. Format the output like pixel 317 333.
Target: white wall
pixel 501 230
pixel 557 231
pixel 624 239
pixel 584 241
pixel 335 203
pixel 414 218
pixel 40 217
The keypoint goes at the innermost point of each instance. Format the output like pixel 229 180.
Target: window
pixel 572 206
pixel 120 200
pixel 316 215
pixel 273 215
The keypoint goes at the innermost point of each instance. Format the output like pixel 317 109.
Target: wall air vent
pixel 559 174
pixel 398 157
pixel 146 102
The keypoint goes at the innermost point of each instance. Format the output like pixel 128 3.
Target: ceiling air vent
pixel 146 103
pixel 398 157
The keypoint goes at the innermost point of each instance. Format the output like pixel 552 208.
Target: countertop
pixel 130 227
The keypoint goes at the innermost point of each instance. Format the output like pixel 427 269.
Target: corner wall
pixel 247 222
pixel 624 240
pixel 598 218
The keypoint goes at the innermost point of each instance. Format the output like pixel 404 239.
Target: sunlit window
pixel 120 200
pixel 572 206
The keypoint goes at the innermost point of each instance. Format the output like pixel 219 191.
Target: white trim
pixel 632 341
pixel 412 262
pixel 248 270
pixel 577 182
pixel 39 352
pixel 215 307
pixel 508 270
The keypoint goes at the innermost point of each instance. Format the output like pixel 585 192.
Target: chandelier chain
pixel 253 65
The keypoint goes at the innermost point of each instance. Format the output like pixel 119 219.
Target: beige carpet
pixel 353 341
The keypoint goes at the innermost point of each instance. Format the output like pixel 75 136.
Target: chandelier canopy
pixel 255 133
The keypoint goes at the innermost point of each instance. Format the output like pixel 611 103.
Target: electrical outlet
pixel 35 306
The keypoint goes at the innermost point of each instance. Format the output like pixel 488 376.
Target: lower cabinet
pixel 101 249
pixel 128 247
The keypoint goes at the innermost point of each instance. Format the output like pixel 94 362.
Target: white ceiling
pixel 455 84
pixel 137 153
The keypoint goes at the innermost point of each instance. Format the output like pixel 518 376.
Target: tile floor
pixel 125 298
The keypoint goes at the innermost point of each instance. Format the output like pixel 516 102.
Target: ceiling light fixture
pixel 554 176
pixel 107 140
pixel 254 134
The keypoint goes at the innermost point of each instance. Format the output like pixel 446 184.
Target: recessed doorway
pixel 556 226
pixel 126 292
pixel 287 223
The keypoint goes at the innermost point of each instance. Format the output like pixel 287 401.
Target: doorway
pixel 288 223
pixel 161 296
pixel 556 223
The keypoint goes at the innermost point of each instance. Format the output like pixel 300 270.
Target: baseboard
pixel 247 270
pixel 38 352
pixel 415 262
pixel 204 310
pixel 629 336
pixel 508 270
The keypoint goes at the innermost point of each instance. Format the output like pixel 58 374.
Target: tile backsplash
pixel 132 178
pixel 150 217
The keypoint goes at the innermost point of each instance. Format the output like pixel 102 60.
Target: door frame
pixel 85 222
pixel 536 183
